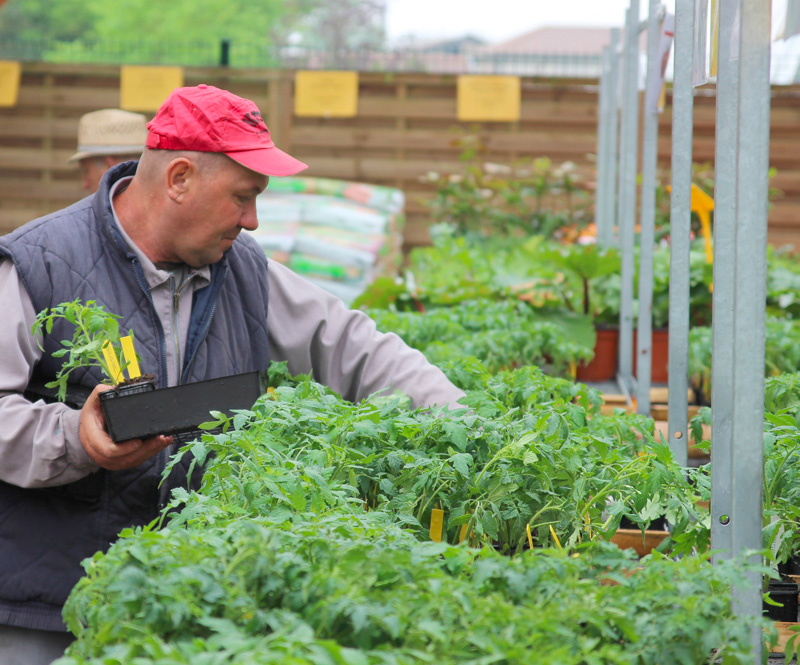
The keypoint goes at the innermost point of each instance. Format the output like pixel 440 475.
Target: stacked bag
pixel 340 235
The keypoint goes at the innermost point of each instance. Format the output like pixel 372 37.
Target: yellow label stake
pixel 112 362
pixel 437 521
pixel 130 357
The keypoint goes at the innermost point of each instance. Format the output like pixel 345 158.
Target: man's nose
pixel 249 218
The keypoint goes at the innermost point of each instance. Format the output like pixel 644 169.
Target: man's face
pixel 220 203
pixel 92 170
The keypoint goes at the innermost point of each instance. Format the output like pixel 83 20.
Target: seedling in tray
pixel 177 411
pixel 96 342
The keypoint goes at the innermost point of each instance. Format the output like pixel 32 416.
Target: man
pixel 160 244
pixel 105 138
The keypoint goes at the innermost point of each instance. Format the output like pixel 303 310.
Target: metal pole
pixel 648 220
pixel 603 121
pixel 630 142
pixel 725 163
pixel 680 229
pixel 605 235
pixel 750 294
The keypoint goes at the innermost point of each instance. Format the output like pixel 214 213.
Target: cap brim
pixel 268 161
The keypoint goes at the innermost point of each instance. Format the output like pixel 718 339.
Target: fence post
pixel 225 52
pixel 750 294
pixel 725 164
pixel 648 218
pixel 607 164
pixel 680 229
pixel 627 214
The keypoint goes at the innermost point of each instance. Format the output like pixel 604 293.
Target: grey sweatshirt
pixel 311 329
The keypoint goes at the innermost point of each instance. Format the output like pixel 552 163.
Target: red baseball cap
pixel 208 119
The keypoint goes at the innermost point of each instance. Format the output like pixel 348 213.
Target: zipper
pixel 202 337
pixel 176 339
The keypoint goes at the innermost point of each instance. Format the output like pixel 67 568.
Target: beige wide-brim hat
pixel 110 132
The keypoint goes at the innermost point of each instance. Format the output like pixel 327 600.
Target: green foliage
pixel 309 543
pixel 355 589
pixel 44 20
pixel 485 199
pixel 94 327
pixel 782 352
pixel 502 334
pixel 136 31
pixel 586 263
pixel 532 450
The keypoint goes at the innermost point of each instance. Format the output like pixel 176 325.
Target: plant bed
pixel 135 411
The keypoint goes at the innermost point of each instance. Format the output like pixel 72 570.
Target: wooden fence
pixel 403 130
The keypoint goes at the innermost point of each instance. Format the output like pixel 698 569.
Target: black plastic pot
pixel 784 593
pixel 138 411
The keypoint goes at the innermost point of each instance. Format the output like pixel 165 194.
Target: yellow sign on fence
pixel 146 88
pixel 326 94
pixel 489 98
pixel 10 73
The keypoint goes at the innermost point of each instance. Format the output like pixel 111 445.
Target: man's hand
pixel 100 447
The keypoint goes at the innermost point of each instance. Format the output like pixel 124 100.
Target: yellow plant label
pixel 112 362
pixel 10 74
pixel 488 98
pixel 437 521
pixel 130 356
pixel 324 94
pixel 146 88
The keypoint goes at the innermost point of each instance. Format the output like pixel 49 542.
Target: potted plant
pixel 591 267
pixel 145 411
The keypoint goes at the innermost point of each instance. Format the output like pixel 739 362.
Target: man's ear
pixel 179 175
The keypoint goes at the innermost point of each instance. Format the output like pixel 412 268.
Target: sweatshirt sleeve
pixel 316 333
pixel 39 443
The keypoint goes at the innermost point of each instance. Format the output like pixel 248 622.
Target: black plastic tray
pixel 180 409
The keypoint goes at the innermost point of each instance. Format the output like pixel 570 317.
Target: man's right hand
pixel 102 449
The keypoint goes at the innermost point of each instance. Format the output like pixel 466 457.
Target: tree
pixel 40 22
pixel 347 24
pixel 181 31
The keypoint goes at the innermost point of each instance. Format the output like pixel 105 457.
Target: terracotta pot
pixel 659 368
pixel 603 367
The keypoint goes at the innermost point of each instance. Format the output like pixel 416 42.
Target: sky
pixel 498 20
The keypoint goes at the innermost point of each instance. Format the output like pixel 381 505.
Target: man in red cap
pixel 159 244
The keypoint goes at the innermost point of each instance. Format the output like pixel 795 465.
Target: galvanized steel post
pixel 644 340
pixel 680 229
pixel 603 112
pixel 630 159
pixel 725 186
pixel 605 236
pixel 607 150
pixel 749 331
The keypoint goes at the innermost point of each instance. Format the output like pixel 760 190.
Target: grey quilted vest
pixel 78 253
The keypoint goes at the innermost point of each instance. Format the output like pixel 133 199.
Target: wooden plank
pixel 24 158
pixel 786 629
pixel 534 143
pixel 23 189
